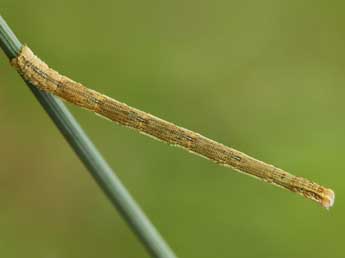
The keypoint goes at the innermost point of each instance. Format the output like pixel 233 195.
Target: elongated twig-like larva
pixel 45 78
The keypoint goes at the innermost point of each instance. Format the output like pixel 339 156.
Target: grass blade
pixel 92 159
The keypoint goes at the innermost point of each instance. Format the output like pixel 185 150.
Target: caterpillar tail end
pixel 328 199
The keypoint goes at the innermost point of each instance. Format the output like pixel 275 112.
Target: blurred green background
pixel 265 77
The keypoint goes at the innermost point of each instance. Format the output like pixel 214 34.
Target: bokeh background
pixel 265 77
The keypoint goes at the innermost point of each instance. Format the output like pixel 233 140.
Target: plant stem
pixel 92 159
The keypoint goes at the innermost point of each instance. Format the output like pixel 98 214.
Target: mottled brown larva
pixel 46 79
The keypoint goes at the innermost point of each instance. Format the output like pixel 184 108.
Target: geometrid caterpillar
pixel 46 79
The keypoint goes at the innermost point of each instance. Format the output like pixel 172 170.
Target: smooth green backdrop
pixel 265 77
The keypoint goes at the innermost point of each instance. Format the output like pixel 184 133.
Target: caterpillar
pixel 40 75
